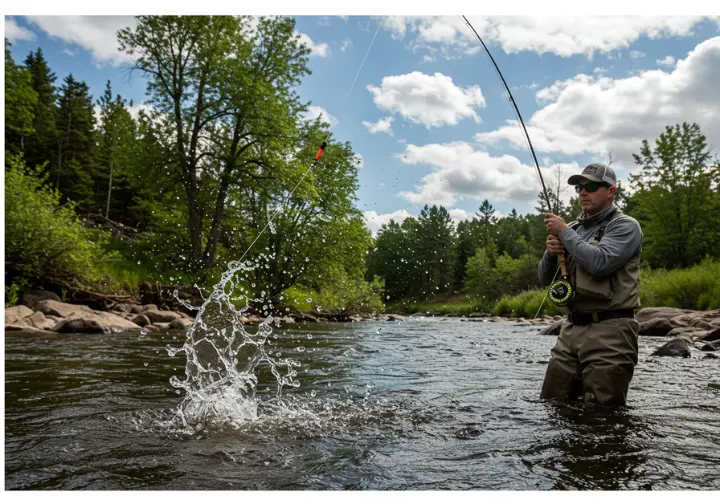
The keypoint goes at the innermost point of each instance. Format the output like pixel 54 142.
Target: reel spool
pixel 561 291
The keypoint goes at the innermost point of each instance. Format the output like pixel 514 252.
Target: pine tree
pixel 74 176
pixel 42 145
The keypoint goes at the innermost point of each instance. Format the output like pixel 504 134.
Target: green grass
pixel 526 304
pixel 463 305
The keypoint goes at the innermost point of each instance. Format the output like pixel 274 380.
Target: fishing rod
pixel 560 291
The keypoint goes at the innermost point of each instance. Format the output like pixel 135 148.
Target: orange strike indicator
pixel 322 146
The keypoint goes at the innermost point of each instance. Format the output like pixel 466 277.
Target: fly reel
pixel 561 291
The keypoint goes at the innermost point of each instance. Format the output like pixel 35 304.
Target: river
pixel 427 403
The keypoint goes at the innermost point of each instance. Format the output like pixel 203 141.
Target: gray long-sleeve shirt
pixel 621 240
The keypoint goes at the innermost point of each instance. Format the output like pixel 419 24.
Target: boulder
pixel 95 322
pixel 160 316
pixel 554 329
pixel 180 323
pixel 39 321
pixel 64 310
pixel 678 347
pixel 655 327
pixel 394 318
pixel 141 320
pixel 703 323
pixel 659 312
pixel 710 356
pixel 713 346
pixel 712 335
pixel 152 328
pixel 31 297
pixel 15 313
pixel 683 331
pixel 143 308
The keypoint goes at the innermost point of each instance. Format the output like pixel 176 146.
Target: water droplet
pixel 313 393
pixel 307 259
pixel 379 330
pixel 300 349
pixel 309 300
pixel 145 364
pixel 143 333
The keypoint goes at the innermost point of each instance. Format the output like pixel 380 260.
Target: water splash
pixel 223 358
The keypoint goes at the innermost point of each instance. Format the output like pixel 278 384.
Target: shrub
pixel 43 238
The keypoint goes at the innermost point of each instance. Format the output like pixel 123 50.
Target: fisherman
pixel 596 352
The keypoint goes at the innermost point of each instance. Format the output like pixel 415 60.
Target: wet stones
pixel 655 327
pixel 678 347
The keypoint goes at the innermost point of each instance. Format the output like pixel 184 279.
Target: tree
pixel 76 170
pixel 227 92
pixel 116 144
pixel 42 146
pixel 20 100
pixel 434 249
pixel 676 198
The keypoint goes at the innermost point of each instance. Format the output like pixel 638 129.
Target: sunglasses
pixel 589 187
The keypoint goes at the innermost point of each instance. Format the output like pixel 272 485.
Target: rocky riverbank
pixel 682 331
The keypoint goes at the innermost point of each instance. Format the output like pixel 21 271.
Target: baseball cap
pixel 597 172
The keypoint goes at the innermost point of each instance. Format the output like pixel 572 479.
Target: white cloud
pixel 461 172
pixel 594 114
pixel 345 44
pixel 383 125
pixel 667 61
pixel 69 52
pixel 458 215
pixel 430 100
pixel 636 54
pixel 564 36
pixel 322 49
pixel 374 221
pixel 15 32
pixel 97 34
pixel 314 111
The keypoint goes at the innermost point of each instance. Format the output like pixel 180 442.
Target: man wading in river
pixel 597 349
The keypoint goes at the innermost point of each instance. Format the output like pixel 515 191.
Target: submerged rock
pixel 678 347
pixel 94 323
pixel 554 329
pixel 713 346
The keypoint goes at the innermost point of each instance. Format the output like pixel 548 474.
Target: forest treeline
pixel 186 182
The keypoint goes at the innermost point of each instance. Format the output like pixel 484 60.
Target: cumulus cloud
pixel 374 221
pixel 430 100
pixel 345 44
pixel 97 34
pixel 667 61
pixel 15 33
pixel 314 112
pixel 560 35
pixel 460 171
pixel 459 215
pixel 636 54
pixel 383 125
pixel 321 49
pixel 594 114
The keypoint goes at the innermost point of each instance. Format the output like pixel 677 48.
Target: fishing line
pixel 319 153
pixel 561 291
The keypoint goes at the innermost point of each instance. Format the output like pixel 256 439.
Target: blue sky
pixel 429 116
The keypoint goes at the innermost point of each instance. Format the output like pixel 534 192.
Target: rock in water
pixel 677 347
pixel 713 346
pixel 554 329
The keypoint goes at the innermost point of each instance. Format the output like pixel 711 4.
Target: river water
pixel 426 403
